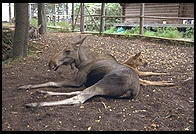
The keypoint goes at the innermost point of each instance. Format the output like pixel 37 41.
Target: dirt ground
pixel 155 109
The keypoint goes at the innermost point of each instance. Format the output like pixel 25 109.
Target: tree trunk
pixel 73 16
pixel 82 18
pixel 21 31
pixel 14 21
pixel 102 23
pixel 54 14
pixel 10 18
pixel 66 9
pixel 30 12
pixel 41 18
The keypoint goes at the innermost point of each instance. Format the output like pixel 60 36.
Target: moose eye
pixel 67 51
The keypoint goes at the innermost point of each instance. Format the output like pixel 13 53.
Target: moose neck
pixel 82 58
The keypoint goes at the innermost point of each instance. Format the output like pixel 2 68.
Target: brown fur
pixel 137 60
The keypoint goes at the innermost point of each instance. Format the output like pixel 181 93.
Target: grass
pixel 64 25
pixel 31 53
pixel 168 32
pixel 34 22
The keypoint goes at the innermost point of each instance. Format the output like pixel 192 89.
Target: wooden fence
pixel 103 17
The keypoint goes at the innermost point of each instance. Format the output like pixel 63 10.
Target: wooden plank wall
pixel 186 10
pixel 157 9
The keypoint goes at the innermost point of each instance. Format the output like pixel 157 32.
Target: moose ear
pixel 137 55
pixel 78 40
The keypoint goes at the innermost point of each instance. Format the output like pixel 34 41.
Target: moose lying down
pixel 101 74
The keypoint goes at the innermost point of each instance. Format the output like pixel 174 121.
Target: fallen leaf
pixel 81 107
pixel 89 128
pixel 14 112
pixel 97 121
pixel 51 109
pixel 154 125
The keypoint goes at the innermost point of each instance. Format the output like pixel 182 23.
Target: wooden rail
pixel 102 17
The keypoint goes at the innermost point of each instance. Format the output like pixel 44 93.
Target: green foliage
pixel 149 33
pixel 127 33
pixel 135 30
pixel 66 26
pixel 34 22
pixel 112 9
pixel 111 30
pixel 50 23
pixel 168 32
pixel 189 33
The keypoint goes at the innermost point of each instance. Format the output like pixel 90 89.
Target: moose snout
pixel 52 65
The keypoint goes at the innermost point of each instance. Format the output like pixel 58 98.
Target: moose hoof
pixel 25 87
pixel 32 105
pixel 42 92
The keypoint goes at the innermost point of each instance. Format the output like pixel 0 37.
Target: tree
pixel 21 30
pixel 41 18
pixel 54 14
pixel 10 19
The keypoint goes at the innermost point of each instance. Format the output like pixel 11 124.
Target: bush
pixel 111 30
pixel 66 26
pixel 135 30
pixel 168 32
pixel 189 33
pixel 34 22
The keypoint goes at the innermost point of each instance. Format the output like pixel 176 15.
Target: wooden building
pixel 158 9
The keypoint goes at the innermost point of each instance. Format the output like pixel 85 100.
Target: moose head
pixel 136 60
pixel 68 56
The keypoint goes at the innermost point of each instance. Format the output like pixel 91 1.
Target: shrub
pixel 34 22
pixel 189 33
pixel 111 30
pixel 66 26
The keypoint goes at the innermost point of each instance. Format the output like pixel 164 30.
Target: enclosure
pixel 157 108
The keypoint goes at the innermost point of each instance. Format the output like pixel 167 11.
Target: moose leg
pixel 149 73
pixel 155 83
pixel 58 93
pixel 78 99
pixel 66 83
pixel 145 73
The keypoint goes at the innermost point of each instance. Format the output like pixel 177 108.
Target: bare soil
pixel 155 109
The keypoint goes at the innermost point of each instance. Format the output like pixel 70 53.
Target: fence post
pixel 10 18
pixel 102 23
pixel 142 19
pixel 82 19
pixel 54 14
pixel 30 12
pixel 73 16
pixel 67 9
pixel 92 18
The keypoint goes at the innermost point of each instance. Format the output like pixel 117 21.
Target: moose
pixel 135 61
pixel 102 75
